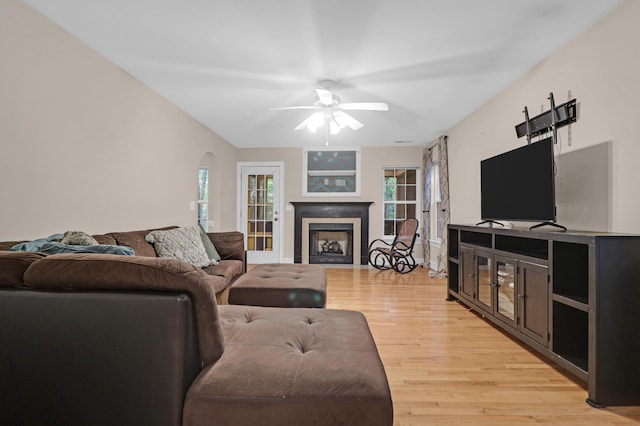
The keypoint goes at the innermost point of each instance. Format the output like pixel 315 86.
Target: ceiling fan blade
pixel 293 107
pixel 344 119
pixel 325 96
pixel 364 106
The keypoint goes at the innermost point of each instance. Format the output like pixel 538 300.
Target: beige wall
pixel 372 162
pixel 84 145
pixel 600 68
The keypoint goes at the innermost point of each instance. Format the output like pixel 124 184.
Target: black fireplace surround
pixel 305 209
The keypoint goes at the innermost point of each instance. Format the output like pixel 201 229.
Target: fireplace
pixel 340 227
pixel 331 243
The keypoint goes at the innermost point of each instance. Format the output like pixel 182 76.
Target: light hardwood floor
pixel 446 365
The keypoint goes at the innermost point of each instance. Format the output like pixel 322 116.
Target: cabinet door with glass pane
pixel 468 273
pixel 484 272
pixel 506 283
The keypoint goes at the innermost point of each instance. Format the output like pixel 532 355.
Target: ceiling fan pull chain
pixel 326 127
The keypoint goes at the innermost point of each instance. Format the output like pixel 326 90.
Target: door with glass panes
pixel 260 215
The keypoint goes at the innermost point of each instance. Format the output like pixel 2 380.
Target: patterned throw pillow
pixel 181 243
pixel 78 238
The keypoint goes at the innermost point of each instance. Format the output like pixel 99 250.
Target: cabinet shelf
pixel 574 303
pixel 571 270
pixel 476 238
pixel 453 247
pixel 453 274
pixel 531 247
pixel 571 334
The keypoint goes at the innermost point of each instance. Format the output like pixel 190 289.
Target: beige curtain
pixel 427 167
pixel 441 269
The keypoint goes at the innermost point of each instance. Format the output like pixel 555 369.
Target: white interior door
pixel 260 208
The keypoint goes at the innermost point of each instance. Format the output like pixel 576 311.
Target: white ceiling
pixel 227 62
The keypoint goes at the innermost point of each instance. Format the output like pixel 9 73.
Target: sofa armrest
pixel 230 245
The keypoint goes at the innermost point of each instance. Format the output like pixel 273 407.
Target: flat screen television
pixel 519 185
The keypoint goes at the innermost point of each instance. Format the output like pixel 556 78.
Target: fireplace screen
pixel 331 243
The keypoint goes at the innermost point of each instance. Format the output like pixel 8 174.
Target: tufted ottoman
pixel 281 285
pixel 292 367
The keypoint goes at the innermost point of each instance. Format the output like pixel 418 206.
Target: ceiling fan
pixel 331 112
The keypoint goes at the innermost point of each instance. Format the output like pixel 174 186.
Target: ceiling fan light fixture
pixel 345 119
pixel 339 119
pixel 315 121
pixel 334 127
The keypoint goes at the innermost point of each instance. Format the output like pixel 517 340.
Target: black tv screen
pixel 519 185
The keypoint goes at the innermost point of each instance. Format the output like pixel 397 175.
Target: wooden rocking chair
pixel 397 255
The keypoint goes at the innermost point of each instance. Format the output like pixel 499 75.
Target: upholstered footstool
pixel 292 367
pixel 281 285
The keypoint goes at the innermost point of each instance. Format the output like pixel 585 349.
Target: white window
pixel 203 197
pixel 436 205
pixel 400 197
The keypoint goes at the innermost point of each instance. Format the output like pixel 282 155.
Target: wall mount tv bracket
pixel 557 117
pixel 552 120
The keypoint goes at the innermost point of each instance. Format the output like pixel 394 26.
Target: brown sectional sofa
pixel 103 339
pixel 230 246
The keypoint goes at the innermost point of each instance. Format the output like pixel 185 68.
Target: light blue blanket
pixel 54 247
pixel 36 245
pixel 51 245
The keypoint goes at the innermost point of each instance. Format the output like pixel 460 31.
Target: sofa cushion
pixel 226 268
pixel 13 264
pixel 135 240
pixel 80 272
pixel 292 366
pixel 230 245
pixel 6 245
pixel 183 244
pixel 105 239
